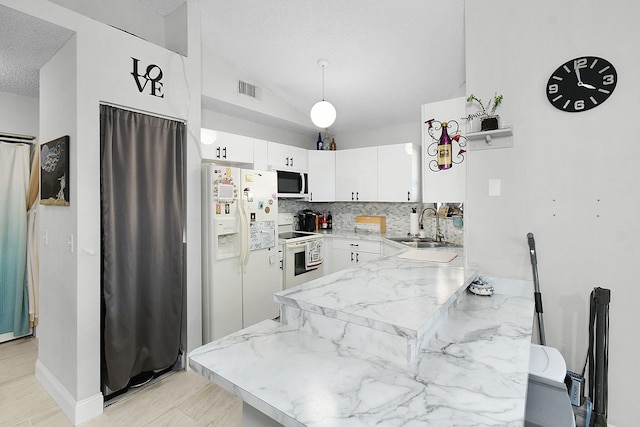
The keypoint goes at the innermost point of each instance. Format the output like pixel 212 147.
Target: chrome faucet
pixel 439 236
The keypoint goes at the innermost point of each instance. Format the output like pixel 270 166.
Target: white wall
pixel 225 123
pixel 405 132
pixel 18 114
pixel 96 66
pixel 138 18
pixel 571 178
pixel 220 82
pixel 57 332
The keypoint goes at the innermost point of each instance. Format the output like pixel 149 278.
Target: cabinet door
pixel 287 157
pixel 340 260
pixel 226 147
pixel 278 156
pixel 299 158
pixel 322 176
pixel 345 175
pixel 446 185
pixel 398 173
pixel 260 155
pixel 367 174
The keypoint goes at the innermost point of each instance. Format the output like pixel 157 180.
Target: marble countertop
pixel 473 372
pixel 391 342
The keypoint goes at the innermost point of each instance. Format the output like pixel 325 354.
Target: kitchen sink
pixel 422 242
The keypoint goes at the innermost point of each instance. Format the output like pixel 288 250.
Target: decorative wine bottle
pixel 444 149
pixel 332 146
pixel 319 142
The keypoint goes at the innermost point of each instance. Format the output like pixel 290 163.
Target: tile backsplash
pixel 397 216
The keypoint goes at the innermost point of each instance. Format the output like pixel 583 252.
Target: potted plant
pixel 487 114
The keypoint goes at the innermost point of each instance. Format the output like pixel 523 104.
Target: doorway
pixel 142 196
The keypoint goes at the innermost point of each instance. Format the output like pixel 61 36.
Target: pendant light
pixel 323 113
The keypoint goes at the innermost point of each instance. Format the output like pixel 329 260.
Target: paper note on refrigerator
pixel 262 235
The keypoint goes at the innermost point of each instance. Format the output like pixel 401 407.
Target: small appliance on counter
pixel 307 220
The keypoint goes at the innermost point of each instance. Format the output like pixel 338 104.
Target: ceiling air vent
pixel 248 89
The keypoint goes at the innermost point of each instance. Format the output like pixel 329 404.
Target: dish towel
pixel 314 253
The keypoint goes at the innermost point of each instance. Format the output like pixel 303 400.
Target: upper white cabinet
pixel 356 175
pixel 226 147
pixel 398 173
pixel 448 185
pixel 260 154
pixel 287 157
pixel 322 176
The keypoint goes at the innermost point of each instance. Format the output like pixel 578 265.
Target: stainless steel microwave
pixel 292 184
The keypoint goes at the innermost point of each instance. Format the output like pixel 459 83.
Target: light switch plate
pixel 494 187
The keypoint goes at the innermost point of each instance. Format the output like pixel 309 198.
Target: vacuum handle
pixel 532 248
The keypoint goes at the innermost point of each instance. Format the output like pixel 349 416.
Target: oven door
pixel 296 271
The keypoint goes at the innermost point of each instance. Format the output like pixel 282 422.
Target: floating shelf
pixel 498 138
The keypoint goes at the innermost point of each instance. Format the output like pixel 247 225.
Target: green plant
pixel 492 106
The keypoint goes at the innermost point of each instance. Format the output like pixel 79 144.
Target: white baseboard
pixel 77 411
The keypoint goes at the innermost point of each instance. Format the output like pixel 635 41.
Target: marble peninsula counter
pixel 395 342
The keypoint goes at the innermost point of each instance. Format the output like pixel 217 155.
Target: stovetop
pixel 294 235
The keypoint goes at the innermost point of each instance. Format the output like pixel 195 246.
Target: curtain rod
pixel 16 136
pixel 148 113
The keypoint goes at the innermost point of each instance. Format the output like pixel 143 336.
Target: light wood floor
pixel 182 399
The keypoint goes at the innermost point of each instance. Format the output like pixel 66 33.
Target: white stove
pixel 301 254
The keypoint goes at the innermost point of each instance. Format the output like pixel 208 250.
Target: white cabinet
pixel 322 176
pixel 448 185
pixel 398 173
pixel 226 147
pixel 287 157
pixel 260 154
pixel 356 175
pixel 352 252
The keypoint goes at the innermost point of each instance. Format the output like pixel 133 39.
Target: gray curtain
pixel 142 215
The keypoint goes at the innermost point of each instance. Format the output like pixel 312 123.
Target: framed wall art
pixel 54 172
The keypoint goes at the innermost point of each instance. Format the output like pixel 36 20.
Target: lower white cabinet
pixel 348 253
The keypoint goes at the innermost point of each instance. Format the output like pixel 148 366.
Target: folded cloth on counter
pixel 314 253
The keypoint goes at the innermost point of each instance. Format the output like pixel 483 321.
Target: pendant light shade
pixel 323 113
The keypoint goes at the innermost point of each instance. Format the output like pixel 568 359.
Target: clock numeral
pixel 553 88
pixel 580 63
pixel 579 104
pixel 608 79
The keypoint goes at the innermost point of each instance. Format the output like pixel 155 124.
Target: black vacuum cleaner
pixel 536 287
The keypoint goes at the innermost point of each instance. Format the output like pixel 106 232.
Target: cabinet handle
pixel 292 162
pixel 354 244
pixel 357 256
pixel 408 196
pixel 351 256
pixel 224 153
pixel 287 161
pixel 352 195
pixel 218 152
pixel 357 195
pixel 311 197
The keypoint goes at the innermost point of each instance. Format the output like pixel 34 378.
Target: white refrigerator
pixel 240 254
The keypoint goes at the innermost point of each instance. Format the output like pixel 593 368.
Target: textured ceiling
pixel 386 58
pixel 26 44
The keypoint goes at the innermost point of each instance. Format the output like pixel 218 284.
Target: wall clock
pixel 581 84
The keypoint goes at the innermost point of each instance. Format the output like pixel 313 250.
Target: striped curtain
pixel 14 186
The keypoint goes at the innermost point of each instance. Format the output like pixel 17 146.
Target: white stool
pixel 548 402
